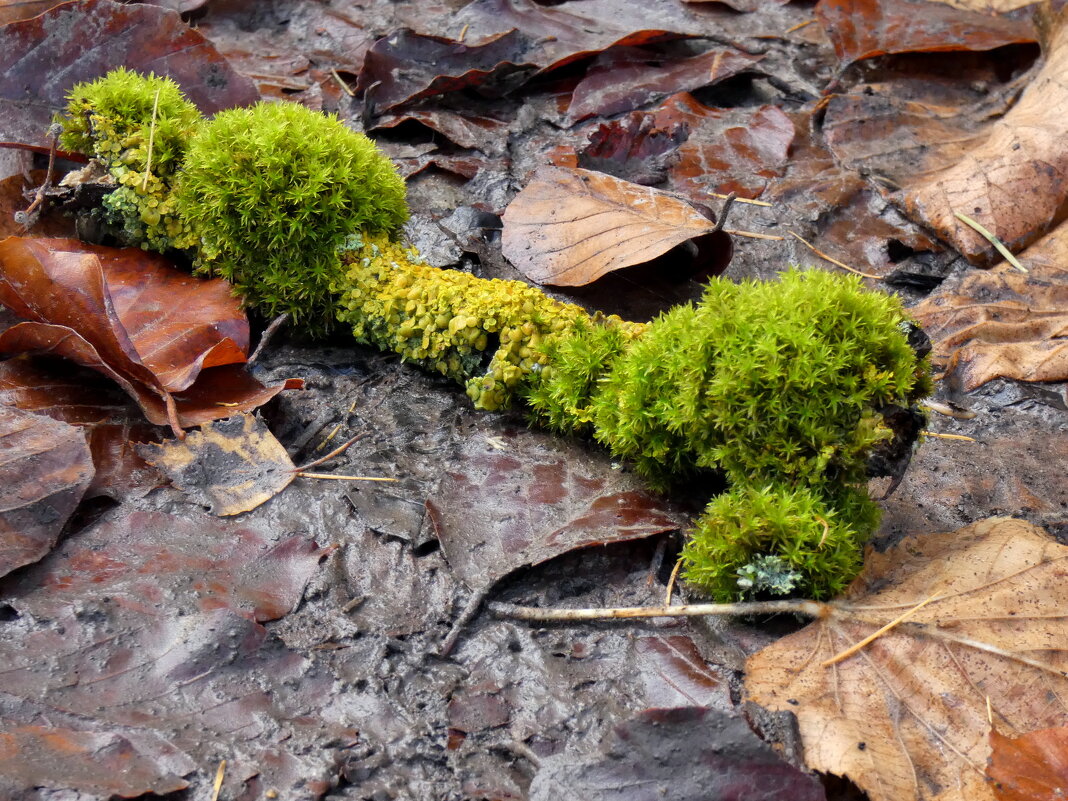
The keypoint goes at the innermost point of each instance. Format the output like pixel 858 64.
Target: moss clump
pixel 489 335
pixel 138 128
pixel 273 191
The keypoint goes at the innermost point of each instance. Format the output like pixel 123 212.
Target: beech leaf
pixel 569 227
pixel 45 470
pixel 1032 767
pixel 906 716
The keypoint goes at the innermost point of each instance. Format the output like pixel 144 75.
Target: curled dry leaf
pixel 1014 178
pixel 130 315
pixel 231 465
pixel 45 470
pixel 861 29
pixel 1000 323
pixel 906 716
pixel 43 57
pixel 569 227
pixel 1033 767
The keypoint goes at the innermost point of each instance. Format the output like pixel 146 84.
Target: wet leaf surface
pixel 110 421
pixel 130 315
pixel 13 199
pixel 689 753
pixel 570 227
pixel 519 498
pixel 43 57
pixel 465 130
pixel 915 701
pixel 45 470
pixel 230 466
pixel 862 29
pixel 1031 767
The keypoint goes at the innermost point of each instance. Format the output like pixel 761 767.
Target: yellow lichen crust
pixel 491 335
pixel 138 128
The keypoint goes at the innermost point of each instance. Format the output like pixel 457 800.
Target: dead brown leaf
pixel 1014 177
pixel 231 465
pixel 45 469
pixel 906 716
pixel 1001 323
pixel 1033 767
pixel 569 227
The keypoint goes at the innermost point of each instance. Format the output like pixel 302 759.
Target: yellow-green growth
pixel 489 335
pixel 273 191
pixel 116 120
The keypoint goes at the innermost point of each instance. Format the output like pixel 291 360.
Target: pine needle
pixel 993 240
pixel 824 256
pixel 848 652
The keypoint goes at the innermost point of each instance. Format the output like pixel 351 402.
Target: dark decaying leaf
pixel 861 29
pixel 129 314
pixel 13 199
pixel 110 421
pixel 153 645
pixel 466 130
pixel 523 497
pixel 231 465
pixel 570 227
pixel 45 469
pixel 625 79
pixel 633 148
pixel 1031 767
pixel 685 753
pixel 43 57
pixel 677 675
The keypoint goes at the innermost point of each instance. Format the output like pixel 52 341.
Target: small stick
pixel 219 774
pixel 826 531
pixel 960 437
pixel 799 26
pixel 723 212
pixel 339 449
pixel 949 411
pixel 798 607
pixel 671 582
pixel 466 616
pixel 463 33
pixel 753 235
pixel 268 332
pixel 834 261
pixel 993 240
pixel 302 474
pixel 742 200
pixel 341 82
pixel 848 652
pixel 28 217
pixel 151 140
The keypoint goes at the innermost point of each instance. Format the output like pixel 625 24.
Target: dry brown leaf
pixel 1001 323
pixel 1014 179
pixel 231 465
pixel 906 717
pixel 1033 767
pixel 569 227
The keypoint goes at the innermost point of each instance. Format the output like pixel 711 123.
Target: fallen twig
pixel 834 261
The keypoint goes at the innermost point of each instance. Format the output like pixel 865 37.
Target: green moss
pixel 490 335
pixel 816 541
pixel 273 191
pixel 138 128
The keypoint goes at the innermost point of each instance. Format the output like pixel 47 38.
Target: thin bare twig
pixel 671 582
pixel 151 141
pixel 339 449
pixel 28 217
pixel 797 607
pixel 466 616
pixel 834 261
pixel 219 774
pixel 268 333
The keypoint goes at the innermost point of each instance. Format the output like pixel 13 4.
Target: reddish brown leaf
pixel 132 316
pixel 625 79
pixel 111 422
pixel 861 29
pixel 523 497
pixel 1031 767
pixel 570 227
pixel 106 764
pixel 44 472
pixel 677 675
pixel 43 57
pixel 466 130
pixel 747 6
pixel 633 149
pixel 15 10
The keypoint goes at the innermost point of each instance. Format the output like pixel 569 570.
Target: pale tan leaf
pixel 569 227
pixel 906 717
pixel 1014 179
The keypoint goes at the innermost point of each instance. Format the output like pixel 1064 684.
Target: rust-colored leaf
pixel 523 497
pixel 861 29
pixel 466 130
pixel 231 465
pixel 569 227
pixel 45 470
pixel 1032 767
pixel 42 58
pixel 906 717
pixel 1001 323
pixel 633 148
pixel 15 10
pixel 625 79
pixel 129 314
pixel 110 421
